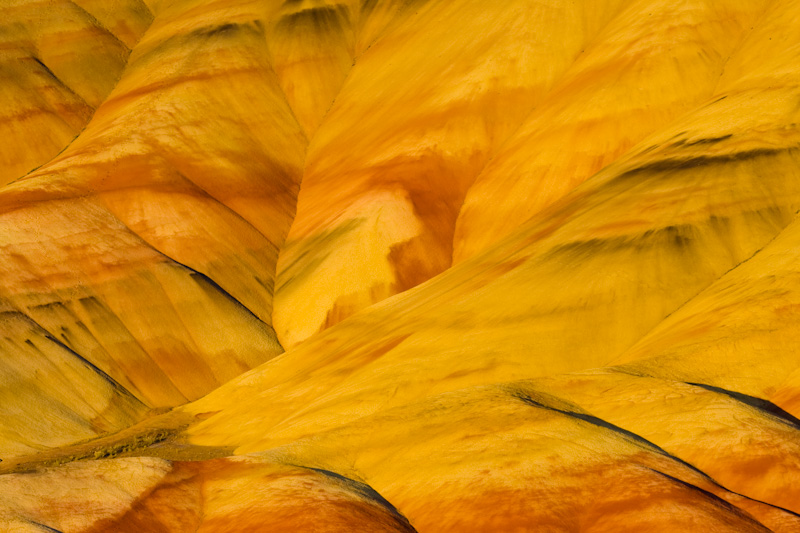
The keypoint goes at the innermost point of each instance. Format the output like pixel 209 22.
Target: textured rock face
pixel 58 62
pixel 399 266
pixel 146 494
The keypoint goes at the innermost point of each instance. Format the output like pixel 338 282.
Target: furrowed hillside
pixel 400 265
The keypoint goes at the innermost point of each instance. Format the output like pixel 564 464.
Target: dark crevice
pixel 365 491
pixel 61 84
pixel 201 279
pixel 38 328
pixel 716 499
pixel 228 29
pixel 759 404
pixel 599 422
pixel 206 282
pixel 94 368
pixel 230 210
pixel 586 418
pixel 51 74
pixel 710 140
pixel 45 527
pixel 688 163
pixel 607 425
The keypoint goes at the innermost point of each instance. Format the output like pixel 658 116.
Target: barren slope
pixel 614 349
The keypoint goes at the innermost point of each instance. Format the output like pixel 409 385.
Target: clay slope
pixel 147 249
pixel 614 349
pixel 58 62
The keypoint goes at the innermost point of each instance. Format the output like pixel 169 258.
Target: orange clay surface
pixel 399 266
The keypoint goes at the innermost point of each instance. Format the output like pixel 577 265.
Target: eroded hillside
pixel 400 265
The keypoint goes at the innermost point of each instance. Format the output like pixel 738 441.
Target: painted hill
pixel 400 266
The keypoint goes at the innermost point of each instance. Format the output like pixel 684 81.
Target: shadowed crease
pixel 48 528
pixel 757 403
pixel 363 490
